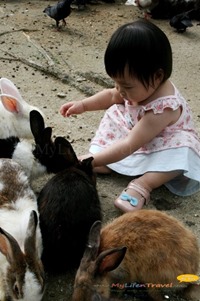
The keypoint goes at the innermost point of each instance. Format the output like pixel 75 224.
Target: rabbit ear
pixel 93 244
pixel 36 123
pixel 46 135
pixel 31 249
pixel 30 241
pixel 41 134
pixel 64 148
pixel 87 161
pixel 109 260
pixel 86 165
pixel 11 97
pixel 94 235
pixel 7 87
pixel 10 248
pixel 10 103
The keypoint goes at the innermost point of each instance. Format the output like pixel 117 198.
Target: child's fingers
pixel 64 109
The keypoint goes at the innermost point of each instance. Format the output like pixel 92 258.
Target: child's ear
pixel 160 74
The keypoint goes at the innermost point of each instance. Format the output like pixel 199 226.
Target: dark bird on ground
pixel 59 11
pixel 180 22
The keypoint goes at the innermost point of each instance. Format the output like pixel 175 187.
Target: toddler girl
pixel 147 131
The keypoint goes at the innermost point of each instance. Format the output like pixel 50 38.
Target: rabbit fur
pixel 97 297
pixel 14 112
pixel 68 205
pixel 44 156
pixel 21 269
pixel 152 247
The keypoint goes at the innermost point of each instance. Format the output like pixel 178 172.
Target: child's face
pixel 134 90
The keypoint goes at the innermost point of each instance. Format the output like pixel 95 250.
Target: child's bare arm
pixel 100 101
pixel 143 132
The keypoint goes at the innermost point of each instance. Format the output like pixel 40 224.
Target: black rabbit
pixel 44 156
pixel 68 205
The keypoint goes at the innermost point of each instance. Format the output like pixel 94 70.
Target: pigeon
pixel 181 21
pixel 59 11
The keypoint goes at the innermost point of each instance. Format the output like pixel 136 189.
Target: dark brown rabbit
pixel 68 206
pixel 146 246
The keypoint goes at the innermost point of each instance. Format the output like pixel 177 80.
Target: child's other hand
pixel 70 108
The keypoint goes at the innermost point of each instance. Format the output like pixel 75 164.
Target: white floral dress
pixel 177 147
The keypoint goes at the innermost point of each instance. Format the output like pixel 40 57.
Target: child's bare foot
pixel 133 197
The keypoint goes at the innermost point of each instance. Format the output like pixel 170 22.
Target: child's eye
pixel 128 88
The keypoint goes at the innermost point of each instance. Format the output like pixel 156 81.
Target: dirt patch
pixel 51 67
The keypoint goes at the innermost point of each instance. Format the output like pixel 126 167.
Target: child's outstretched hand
pixel 70 108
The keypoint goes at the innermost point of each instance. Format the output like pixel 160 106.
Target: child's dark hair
pixel 143 48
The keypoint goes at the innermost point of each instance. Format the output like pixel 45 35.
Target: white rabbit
pixel 14 112
pixel 21 270
pixel 147 247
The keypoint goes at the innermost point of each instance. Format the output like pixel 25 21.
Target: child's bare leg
pixel 138 191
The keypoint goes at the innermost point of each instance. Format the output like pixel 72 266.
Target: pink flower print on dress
pixel 102 142
pixel 187 120
pixel 159 107
pixel 116 113
pixel 165 142
pixel 110 136
pixel 181 125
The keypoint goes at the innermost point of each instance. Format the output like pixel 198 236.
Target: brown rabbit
pixel 153 249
